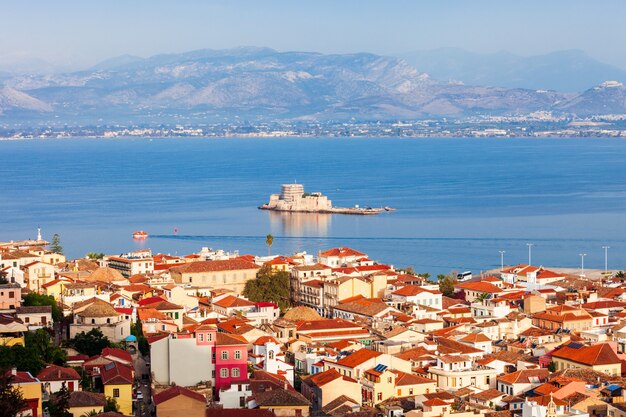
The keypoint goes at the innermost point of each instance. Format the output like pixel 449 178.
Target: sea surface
pixel 459 201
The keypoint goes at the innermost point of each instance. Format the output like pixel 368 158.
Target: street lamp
pixel 582 264
pixel 530 253
pixel 502 252
pixel 606 258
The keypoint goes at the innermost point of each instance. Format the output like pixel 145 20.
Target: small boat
pixel 140 235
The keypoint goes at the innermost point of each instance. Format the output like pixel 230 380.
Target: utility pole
pixel 530 253
pixel 606 259
pixel 502 252
pixel 582 264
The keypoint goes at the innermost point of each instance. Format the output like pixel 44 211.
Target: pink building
pixel 220 357
pixel 10 296
pixel 230 359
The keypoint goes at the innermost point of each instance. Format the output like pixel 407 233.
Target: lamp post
pixel 606 259
pixel 530 253
pixel 582 264
pixel 502 252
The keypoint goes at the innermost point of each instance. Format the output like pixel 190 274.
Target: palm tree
pixel 269 239
pixel 91 413
pixel 481 297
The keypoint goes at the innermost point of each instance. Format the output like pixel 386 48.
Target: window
pixel 209 337
pixel 237 354
pixel 213 374
pixel 242 402
pixel 271 354
pixel 116 393
pixel 11 294
pixel 380 396
pixel 224 373
pixel 201 337
pixel 224 355
pixel 234 373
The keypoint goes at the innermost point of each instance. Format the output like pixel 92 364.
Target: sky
pixel 74 34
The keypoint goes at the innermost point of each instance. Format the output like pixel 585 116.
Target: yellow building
pixel 563 317
pixel 11 331
pixel 176 401
pixel 202 276
pixel 600 357
pixel 82 402
pixel 118 385
pixel 31 389
pixel 381 383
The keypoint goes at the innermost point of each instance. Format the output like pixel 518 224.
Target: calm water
pixel 459 201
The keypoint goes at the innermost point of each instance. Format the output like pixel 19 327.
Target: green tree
pixel 41 342
pixel 94 255
pixel 85 380
pixel 481 297
pixel 409 270
pixel 55 244
pixel 90 343
pixel 620 274
pixel 34 299
pixel 22 358
pixel 59 404
pixel 137 331
pixel 269 240
pixel 446 285
pixel 91 413
pixel 111 405
pixel 269 285
pixel 11 398
pixel 552 367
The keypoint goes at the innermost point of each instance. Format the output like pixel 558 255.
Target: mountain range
pixel 569 70
pixel 260 84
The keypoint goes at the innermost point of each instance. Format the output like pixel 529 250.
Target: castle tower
pixel 39 233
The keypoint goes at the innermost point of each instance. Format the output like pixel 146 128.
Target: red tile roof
pixel 358 357
pixel 412 290
pixel 524 376
pixel 600 354
pixel 230 301
pixel 342 252
pixel 479 286
pixel 176 391
pixel 117 374
pixel 57 373
pixel 213 266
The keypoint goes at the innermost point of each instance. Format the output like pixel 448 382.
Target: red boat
pixel 140 235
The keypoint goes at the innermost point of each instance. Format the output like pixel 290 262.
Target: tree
pixel 41 342
pixel 111 405
pixel 481 297
pixel 90 343
pixel 446 285
pixel 94 255
pixel 22 358
pixel 55 245
pixel 137 331
pixel 552 367
pixel 59 404
pixel 269 285
pixel 620 274
pixel 11 398
pixel 34 299
pixel 269 239
pixel 91 413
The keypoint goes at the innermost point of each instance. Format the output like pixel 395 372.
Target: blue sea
pixel 459 201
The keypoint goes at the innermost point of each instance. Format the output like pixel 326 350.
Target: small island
pixel 293 199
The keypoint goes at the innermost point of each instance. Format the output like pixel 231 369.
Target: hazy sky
pixel 85 32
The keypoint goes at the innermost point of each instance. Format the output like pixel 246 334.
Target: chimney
pixel 14 371
pixel 285 385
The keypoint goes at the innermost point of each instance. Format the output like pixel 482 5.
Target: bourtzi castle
pixel 293 198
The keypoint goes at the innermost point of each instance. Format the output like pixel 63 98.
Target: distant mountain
pixel 115 62
pixel 13 100
pixel 570 70
pixel 608 97
pixel 259 84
